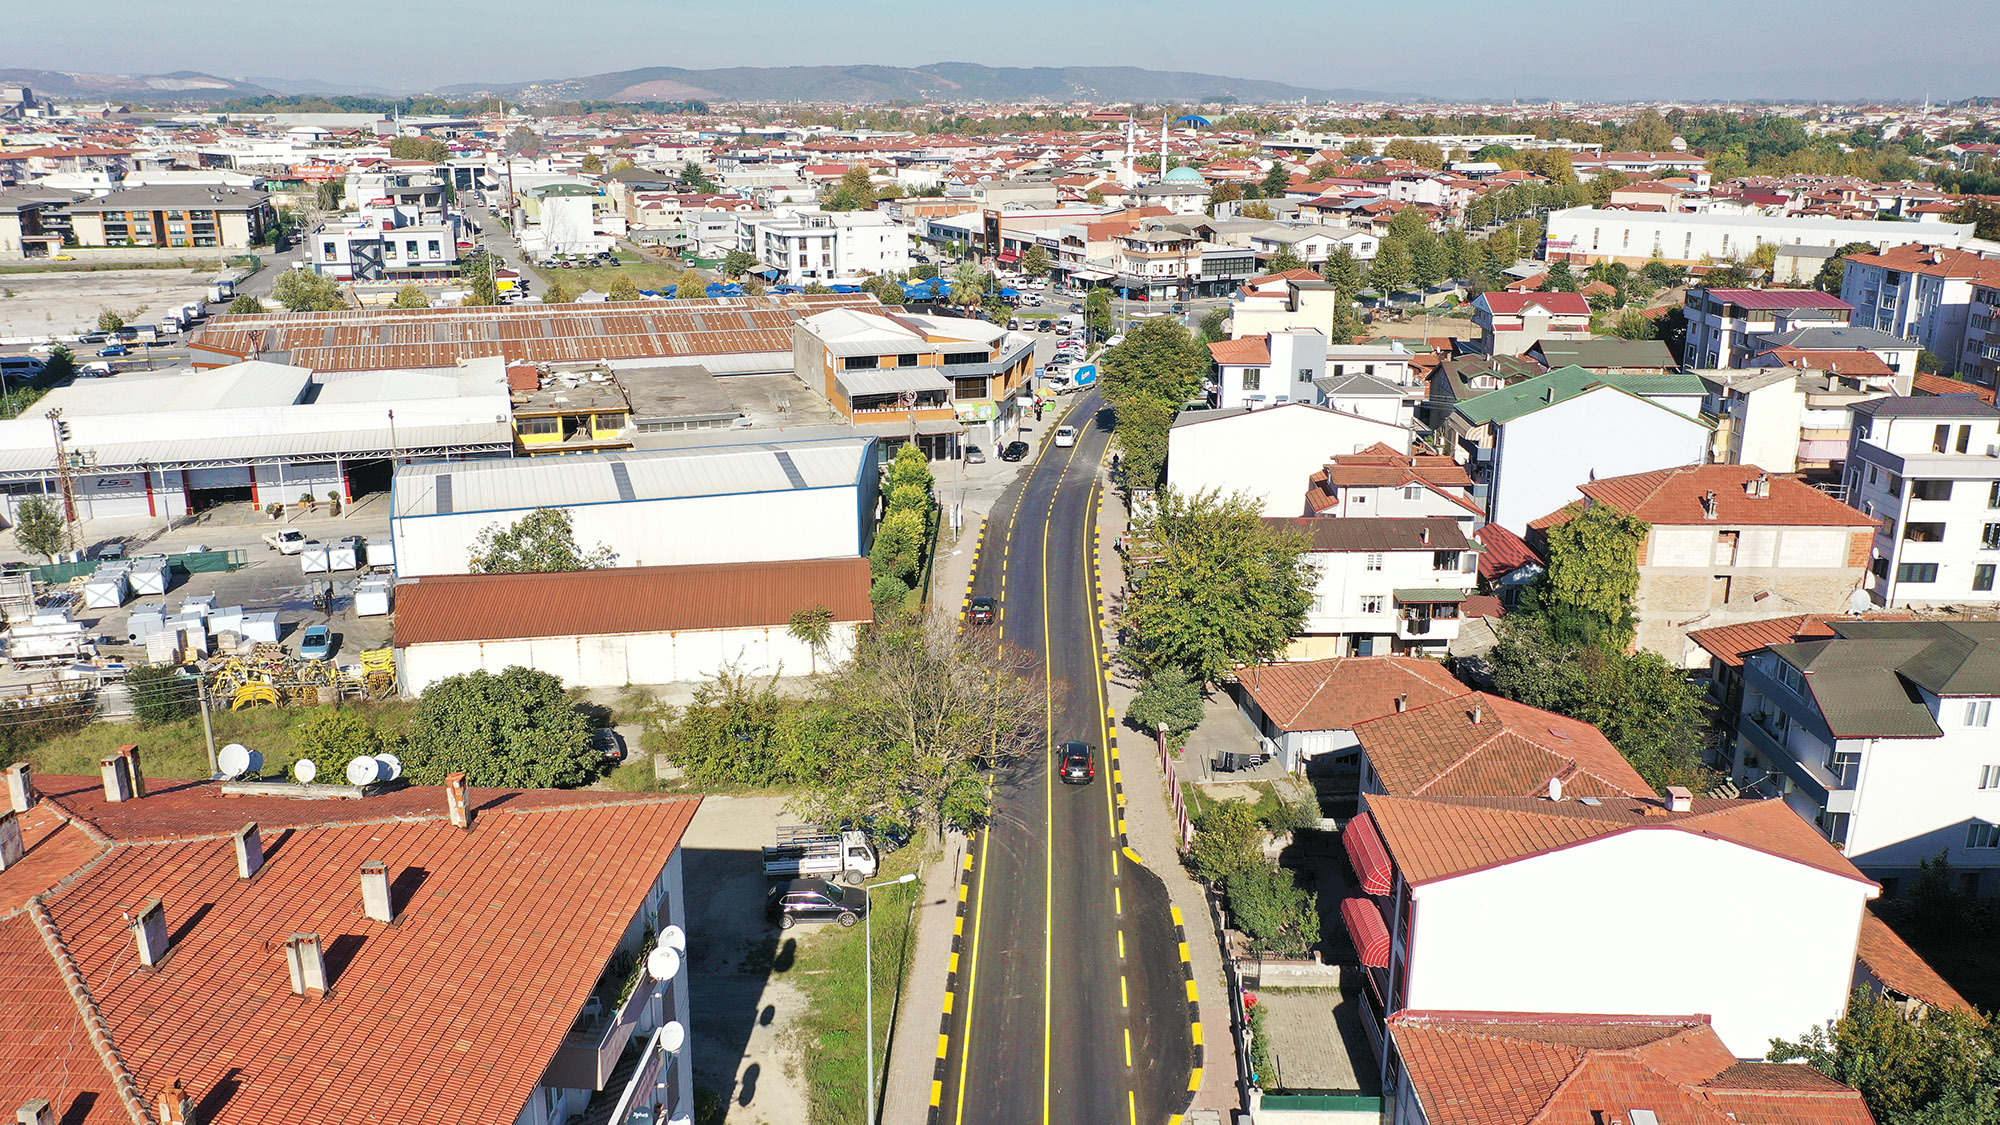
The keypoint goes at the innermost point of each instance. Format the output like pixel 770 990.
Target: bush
pixel 1271 907
pixel 887 596
pixel 160 694
pixel 335 735
pixel 1227 840
pixel 515 729
pixel 1169 696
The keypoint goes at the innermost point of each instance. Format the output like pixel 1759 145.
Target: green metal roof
pixel 1417 596
pixel 1530 395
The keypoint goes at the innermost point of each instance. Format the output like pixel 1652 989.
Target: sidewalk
pixel 911 1060
pixel 1151 832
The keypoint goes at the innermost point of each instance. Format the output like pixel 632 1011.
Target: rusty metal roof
pixel 638 599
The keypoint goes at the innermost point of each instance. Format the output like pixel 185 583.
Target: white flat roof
pixel 251 383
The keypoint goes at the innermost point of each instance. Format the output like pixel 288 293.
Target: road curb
pixel 940 1068
pixel 972 575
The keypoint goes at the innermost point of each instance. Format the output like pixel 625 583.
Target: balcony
pixel 1831 790
pixel 591 1049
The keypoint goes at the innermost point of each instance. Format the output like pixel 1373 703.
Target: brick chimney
pixel 458 800
pixel 137 775
pixel 36 1112
pixel 176 1104
pixel 375 900
pixel 307 963
pixel 249 851
pixel 149 930
pixel 12 847
pixel 21 787
pixel 1679 799
pixel 117 773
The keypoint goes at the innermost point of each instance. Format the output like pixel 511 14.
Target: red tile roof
pixel 1926 383
pixel 1336 694
pixel 1501 552
pixel 1731 643
pixel 1935 261
pixel 1889 959
pixel 1512 750
pixel 1491 1068
pixel 1777 299
pixel 637 599
pixel 1674 496
pixel 1252 351
pixel 1559 304
pixel 1438 837
pixel 1848 361
pixel 1381 466
pixel 451 1015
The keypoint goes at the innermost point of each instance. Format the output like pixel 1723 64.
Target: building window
pixel 1444 560
pixel 1372 562
pixel 1941 439
pixel 1930 489
pixel 1916 572
pixel 1982 835
pixel 861 362
pixel 1982 576
pixel 1791 677
pixel 1413 492
pixel 1371 603
pixel 1978 711
pixel 1989 777
pixel 1993 495
pixel 1929 532
pixel 1253 379
pixel 1835 827
pixel 906 361
pixel 1964 438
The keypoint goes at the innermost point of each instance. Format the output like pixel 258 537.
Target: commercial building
pixel 1924 469
pixel 709 499
pixel 344 931
pixel 629 625
pixel 818 247
pixel 934 380
pixel 1588 235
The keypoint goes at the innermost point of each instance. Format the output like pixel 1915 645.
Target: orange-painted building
pixel 938 380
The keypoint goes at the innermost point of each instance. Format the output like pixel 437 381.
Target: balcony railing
pixel 591 1049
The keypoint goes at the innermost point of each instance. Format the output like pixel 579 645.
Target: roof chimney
pixel 458 800
pixel 1424 532
pixel 1403 702
pixel 375 901
pixel 20 787
pixel 36 1112
pixel 176 1105
pixel 1679 799
pixel 117 772
pixel 307 963
pixel 11 847
pixel 1708 505
pixel 249 851
pixel 1549 395
pixel 133 772
pixel 149 930
pixel 1555 792
pixel 1478 711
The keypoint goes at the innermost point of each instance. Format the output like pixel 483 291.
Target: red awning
pixel 1009 256
pixel 1369 856
pixel 1365 927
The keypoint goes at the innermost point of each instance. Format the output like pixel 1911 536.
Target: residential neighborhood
pixel 768 582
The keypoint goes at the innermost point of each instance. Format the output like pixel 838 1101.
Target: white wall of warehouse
pixel 614 660
pixel 812 523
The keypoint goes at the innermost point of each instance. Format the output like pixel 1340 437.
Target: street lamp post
pixel 868 959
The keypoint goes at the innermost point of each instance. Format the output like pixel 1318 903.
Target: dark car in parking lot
pixel 1014 451
pixel 815 900
pixel 1075 765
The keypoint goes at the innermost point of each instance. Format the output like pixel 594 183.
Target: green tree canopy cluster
pixel 308 290
pixel 896 561
pixel 515 729
pixel 854 192
pixel 1147 378
pixel 1265 899
pixel 542 541
pixel 1942 1068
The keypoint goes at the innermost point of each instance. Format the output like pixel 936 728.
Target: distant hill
pixel 938 82
pixel 181 85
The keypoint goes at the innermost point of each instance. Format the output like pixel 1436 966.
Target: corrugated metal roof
pixel 562 482
pixel 623 600
pixel 890 381
pixel 246 448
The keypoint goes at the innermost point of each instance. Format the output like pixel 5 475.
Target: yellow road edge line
pixel 972 978
pixel 1176 911
pixel 947 1003
pixel 1194 1080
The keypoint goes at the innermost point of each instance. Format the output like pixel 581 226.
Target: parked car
pixel 1046 326
pixel 982 611
pixel 608 743
pixel 1065 436
pixel 1014 451
pixel 1075 765
pixel 975 455
pixel 316 643
pixel 93 337
pixel 286 541
pixel 815 900
pixel 114 349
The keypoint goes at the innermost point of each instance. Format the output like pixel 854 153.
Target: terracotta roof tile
pixel 1339 693
pixel 1673 497
pixel 1929 384
pixel 44 1051
pixel 1250 350
pixel 56 849
pixel 1435 837
pixel 1935 261
pixel 1502 552
pixel 1848 361
pixel 1891 961
pixel 1511 751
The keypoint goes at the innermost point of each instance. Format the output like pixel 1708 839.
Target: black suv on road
pixel 1075 765
pixel 982 610
pixel 815 900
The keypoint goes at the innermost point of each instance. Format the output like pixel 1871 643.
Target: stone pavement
pixel 911 1057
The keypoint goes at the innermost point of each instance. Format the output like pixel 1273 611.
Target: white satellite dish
pixel 237 759
pixel 673 1037
pixel 674 938
pixel 663 963
pixel 363 771
pixel 392 766
pixel 305 770
pixel 681 1118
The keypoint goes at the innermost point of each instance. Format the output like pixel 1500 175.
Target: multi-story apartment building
pixel 935 380
pixel 1882 736
pixel 1381 481
pixel 1158 264
pixel 1928 470
pixel 1790 419
pixel 1511 323
pixel 1926 294
pixel 173 216
pixel 1721 322
pixel 818 247
pixel 1385 585
pixel 1979 360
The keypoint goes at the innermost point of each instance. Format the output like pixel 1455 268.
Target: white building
pixel 1587 234
pixel 818 247
pixel 1926 468
pixel 1385 585
pixel 367 249
pixel 1504 886
pixel 1270 454
pixel 1784 418
pixel 711 503
pixel 1927 294
pixel 1298 365
pixel 1722 322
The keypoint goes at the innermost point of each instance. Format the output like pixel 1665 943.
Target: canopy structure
pixel 1367 930
pixel 1369 855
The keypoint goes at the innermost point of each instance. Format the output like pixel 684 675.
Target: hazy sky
pixel 1695 49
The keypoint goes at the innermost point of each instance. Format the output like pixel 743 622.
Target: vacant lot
pixel 50 304
pixel 646 274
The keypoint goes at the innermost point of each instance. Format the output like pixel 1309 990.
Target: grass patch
pixel 176 749
pixel 829 968
pixel 644 274
pixel 100 267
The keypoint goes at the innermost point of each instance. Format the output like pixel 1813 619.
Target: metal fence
pixel 191 562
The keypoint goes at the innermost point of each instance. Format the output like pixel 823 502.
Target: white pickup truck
pixel 287 541
pixel 824 853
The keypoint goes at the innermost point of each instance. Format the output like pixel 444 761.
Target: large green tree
pixel 307 290
pixel 1393 267
pixel 544 540
pixel 39 527
pixel 1594 574
pixel 1035 263
pixel 1342 271
pixel 1833 274
pixel 1097 316
pixel 1226 588
pixel 516 729
pixel 420 148
pixel 1940 1069
pixel 1159 359
pixel 1283 261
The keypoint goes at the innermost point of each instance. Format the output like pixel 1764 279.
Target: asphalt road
pixel 1072 1007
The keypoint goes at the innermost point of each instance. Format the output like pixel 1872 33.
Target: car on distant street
pixel 982 611
pixel 1065 436
pixel 816 900
pixel 975 455
pixel 114 349
pixel 316 643
pixel 1075 765
pixel 1014 451
pixel 608 743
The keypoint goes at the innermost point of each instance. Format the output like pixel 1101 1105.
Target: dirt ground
pixel 49 304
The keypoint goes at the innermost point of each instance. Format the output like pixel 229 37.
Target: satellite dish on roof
pixel 363 771
pixel 392 766
pixel 305 770
pixel 674 938
pixel 237 759
pixel 663 963
pixel 673 1037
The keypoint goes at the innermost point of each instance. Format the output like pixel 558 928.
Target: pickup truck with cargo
pixel 825 853
pixel 286 541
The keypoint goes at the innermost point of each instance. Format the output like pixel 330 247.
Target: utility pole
pixel 61 431
pixel 207 727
